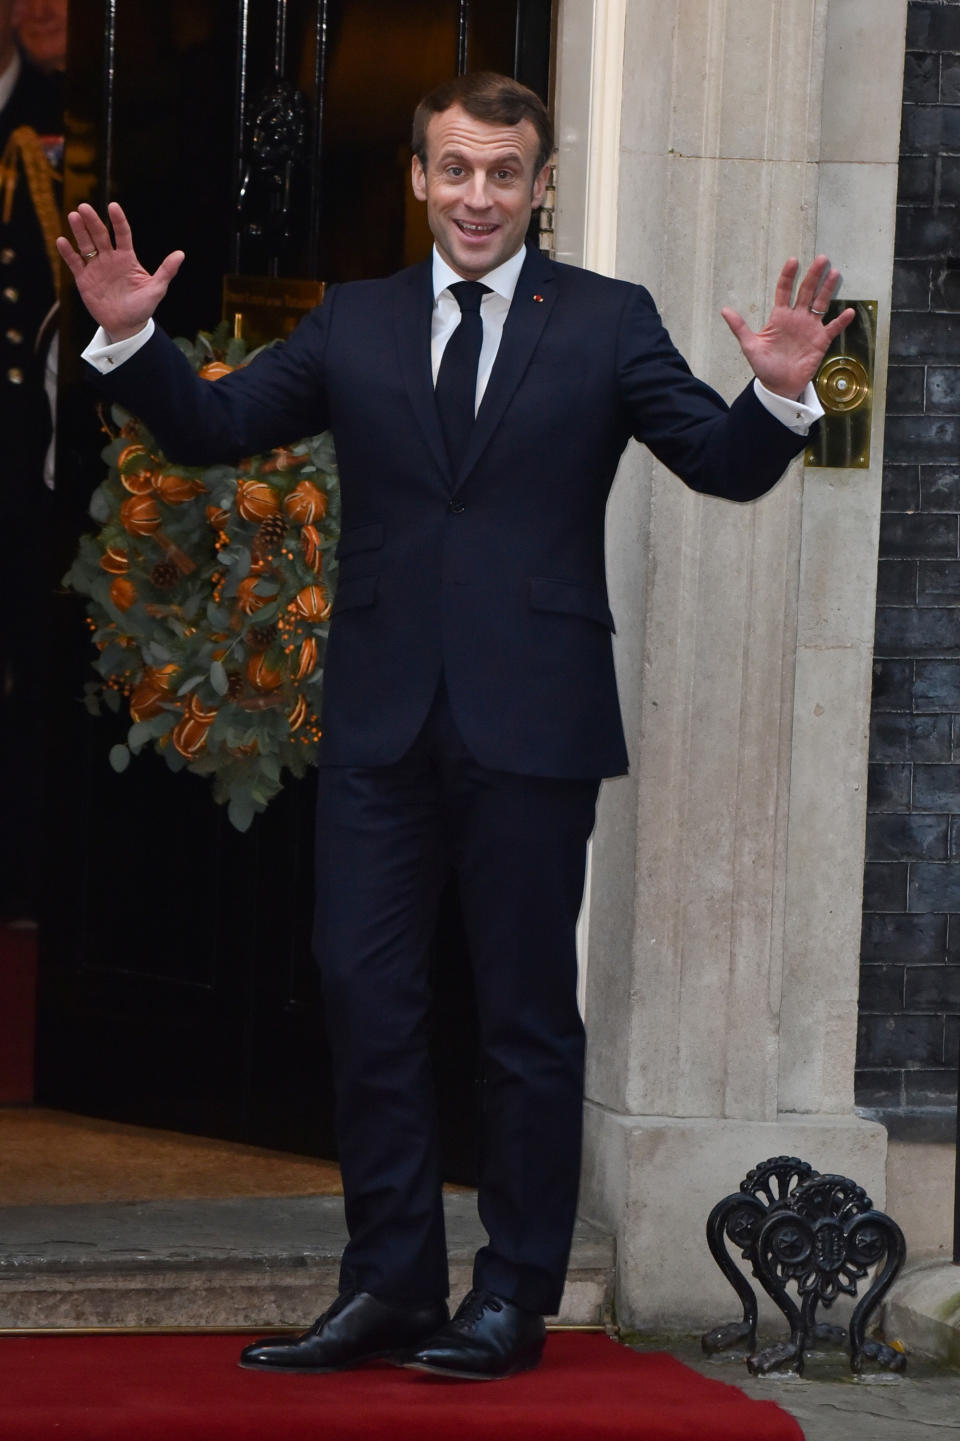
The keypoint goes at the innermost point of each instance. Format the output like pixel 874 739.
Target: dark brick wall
pixel 910 955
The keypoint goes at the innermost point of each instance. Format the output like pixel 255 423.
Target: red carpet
pixel 188 1388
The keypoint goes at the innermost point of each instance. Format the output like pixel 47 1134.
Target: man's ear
pixel 418 178
pixel 539 186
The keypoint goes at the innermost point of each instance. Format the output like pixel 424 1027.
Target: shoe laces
pixel 474 1304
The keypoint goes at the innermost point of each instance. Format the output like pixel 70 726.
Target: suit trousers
pixel 387 838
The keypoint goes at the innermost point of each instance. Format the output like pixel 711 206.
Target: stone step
pixel 243 1262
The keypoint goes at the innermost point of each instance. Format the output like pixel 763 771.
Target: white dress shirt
pixel 796 415
pixel 502 282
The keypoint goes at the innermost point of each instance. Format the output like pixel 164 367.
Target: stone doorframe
pixel 701 142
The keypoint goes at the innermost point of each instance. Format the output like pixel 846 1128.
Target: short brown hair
pixel 486 96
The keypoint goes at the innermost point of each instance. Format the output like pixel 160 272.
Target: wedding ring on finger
pixel 814 311
pixel 92 255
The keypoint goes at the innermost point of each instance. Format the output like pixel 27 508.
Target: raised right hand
pixel 119 294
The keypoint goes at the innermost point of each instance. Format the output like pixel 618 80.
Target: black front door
pixel 177 985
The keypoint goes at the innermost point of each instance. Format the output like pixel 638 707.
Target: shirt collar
pixel 9 79
pixel 502 279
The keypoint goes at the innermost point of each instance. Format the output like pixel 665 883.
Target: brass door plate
pixel 844 384
pixel 260 308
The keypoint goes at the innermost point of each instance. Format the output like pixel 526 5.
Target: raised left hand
pixel 786 354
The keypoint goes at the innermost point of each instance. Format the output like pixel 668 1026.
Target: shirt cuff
pixel 105 355
pixel 796 415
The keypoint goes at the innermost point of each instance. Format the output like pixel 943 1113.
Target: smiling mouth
pixel 467 228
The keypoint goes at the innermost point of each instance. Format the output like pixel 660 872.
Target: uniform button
pixel 11 294
pixel 15 337
pixel 456 507
pixel 7 256
pixel 15 376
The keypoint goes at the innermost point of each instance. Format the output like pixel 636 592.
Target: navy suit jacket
pixel 493 576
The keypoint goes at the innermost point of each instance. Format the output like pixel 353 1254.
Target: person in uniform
pixel 31 137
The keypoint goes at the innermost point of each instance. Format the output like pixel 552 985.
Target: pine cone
pixel 234 685
pixel 260 637
pixel 164 575
pixel 270 532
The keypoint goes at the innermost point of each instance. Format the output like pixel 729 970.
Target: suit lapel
pixel 413 313
pixel 529 311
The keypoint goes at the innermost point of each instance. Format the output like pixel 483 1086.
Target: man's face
pixel 480 187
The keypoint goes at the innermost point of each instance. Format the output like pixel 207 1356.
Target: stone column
pixel 723 925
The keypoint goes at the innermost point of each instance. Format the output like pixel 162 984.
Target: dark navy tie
pixel 456 388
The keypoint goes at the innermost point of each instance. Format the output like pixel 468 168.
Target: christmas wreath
pixel 209 593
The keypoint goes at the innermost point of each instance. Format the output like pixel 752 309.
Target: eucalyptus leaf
pixel 112 700
pixel 100 506
pixel 241 810
pixel 147 730
pixel 110 657
pixel 217 474
pixel 243 562
pixel 193 352
pixel 255 352
pixel 191 683
pixel 218 677
pixel 119 758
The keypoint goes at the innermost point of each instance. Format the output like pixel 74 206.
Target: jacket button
pixel 456 507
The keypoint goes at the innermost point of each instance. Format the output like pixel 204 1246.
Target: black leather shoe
pixel 487 1340
pixel 358 1327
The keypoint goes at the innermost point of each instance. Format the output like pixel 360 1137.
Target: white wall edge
pixel 603 142
pixel 598 204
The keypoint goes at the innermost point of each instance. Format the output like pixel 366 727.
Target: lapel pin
pixel 539 297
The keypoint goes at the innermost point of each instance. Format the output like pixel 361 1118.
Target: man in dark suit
pixel 470 702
